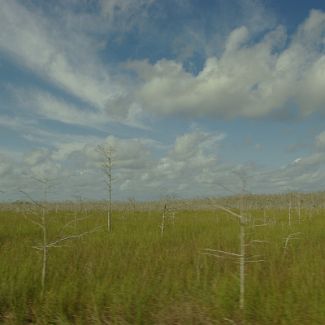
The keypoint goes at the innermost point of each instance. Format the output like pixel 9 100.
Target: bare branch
pixel 71 222
pixel 259 241
pixel 54 243
pixel 31 199
pixel 219 256
pixel 288 238
pixel 34 222
pixel 261 225
pixel 222 252
pixel 230 212
pixel 230 321
pixel 38 247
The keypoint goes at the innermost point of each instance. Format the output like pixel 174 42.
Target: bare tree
pixel 242 221
pixel 107 155
pixel 39 217
pixel 43 224
pixel 242 258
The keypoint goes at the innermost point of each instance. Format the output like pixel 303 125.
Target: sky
pixel 195 97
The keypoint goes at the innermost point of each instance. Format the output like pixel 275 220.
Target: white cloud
pixel 237 37
pixel 296 161
pixel 320 140
pixel 43 163
pixel 41 104
pixel 130 153
pixel 15 122
pixel 190 166
pixel 5 165
pixel 44 105
pixel 249 79
pixel 197 143
pixel 36 156
pixel 192 154
pixel 135 166
pixel 58 52
pixel 312 96
pixel 45 170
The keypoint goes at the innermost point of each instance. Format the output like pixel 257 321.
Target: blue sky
pixel 188 93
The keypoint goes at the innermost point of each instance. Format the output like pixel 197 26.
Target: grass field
pixel 135 275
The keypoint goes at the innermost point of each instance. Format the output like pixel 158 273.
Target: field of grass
pixel 135 275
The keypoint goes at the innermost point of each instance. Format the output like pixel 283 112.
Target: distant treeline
pixel 251 201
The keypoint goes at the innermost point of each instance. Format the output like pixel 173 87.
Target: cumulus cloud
pixel 129 153
pixel 136 166
pixel 305 173
pixel 36 156
pixel 190 166
pixel 250 79
pixel 236 39
pixel 5 165
pixel 196 143
pixel 191 154
pixel 320 140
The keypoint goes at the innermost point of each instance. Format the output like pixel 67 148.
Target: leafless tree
pixel 107 155
pixel 242 258
pixel 38 215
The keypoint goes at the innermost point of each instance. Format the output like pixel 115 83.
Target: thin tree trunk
pixel 289 214
pixel 242 222
pixel 242 265
pixel 45 248
pixel 109 207
pixel 107 152
pixel 162 227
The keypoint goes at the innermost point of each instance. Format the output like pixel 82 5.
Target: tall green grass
pixel 133 275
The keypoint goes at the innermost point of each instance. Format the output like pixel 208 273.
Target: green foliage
pixel 136 276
